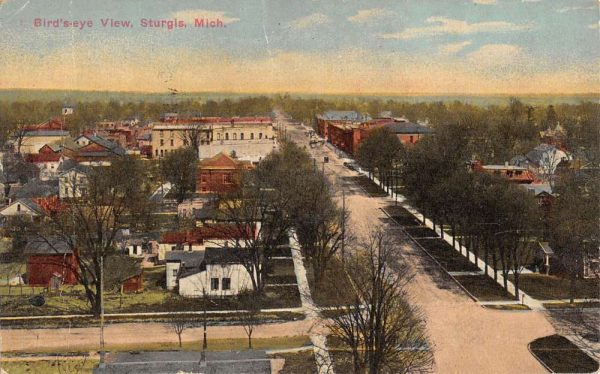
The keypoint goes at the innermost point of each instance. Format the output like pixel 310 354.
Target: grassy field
pixel 336 288
pixel 298 363
pixel 71 299
pixel 447 256
pixel 562 356
pixel 547 287
pixel 57 366
pixel 484 288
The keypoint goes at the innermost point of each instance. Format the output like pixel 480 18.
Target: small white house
pixel 179 263
pixel 73 183
pixel 28 208
pixel 222 273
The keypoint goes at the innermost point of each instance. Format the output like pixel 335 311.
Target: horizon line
pixel 313 93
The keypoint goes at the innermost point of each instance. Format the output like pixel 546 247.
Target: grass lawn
pixel 562 356
pixel 421 232
pixel 298 363
pixel 507 307
pixel 281 272
pixel 447 256
pixel 484 288
pixel 402 216
pixel 336 288
pixel 58 366
pixel 575 305
pixel 153 299
pixel 368 185
pixel 548 287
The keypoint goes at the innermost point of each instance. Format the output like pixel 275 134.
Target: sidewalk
pixel 324 363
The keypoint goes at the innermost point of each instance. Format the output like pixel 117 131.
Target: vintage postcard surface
pixel 325 186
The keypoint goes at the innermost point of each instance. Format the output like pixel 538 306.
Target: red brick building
pixel 220 173
pixel 346 132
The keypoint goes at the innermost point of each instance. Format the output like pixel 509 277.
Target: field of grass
pixel 58 366
pixel 484 288
pixel 336 288
pixel 575 305
pixel 562 356
pixel 421 232
pixel 71 299
pixel 281 272
pixel 447 256
pixel 298 363
pixel 548 287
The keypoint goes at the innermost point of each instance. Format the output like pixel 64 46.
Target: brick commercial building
pixel 250 138
pixel 220 173
pixel 346 130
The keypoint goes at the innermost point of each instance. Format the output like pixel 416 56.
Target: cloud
pixel 452 48
pixel 190 15
pixel 443 25
pixel 484 2
pixel 496 54
pixel 575 8
pixel 311 20
pixel 366 15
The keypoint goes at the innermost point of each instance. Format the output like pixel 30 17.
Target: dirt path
pixel 466 337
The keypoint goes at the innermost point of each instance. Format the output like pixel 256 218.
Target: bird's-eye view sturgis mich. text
pixel 299 186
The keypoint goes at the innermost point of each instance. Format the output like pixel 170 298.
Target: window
pixel 162 134
pixel 219 136
pixel 412 139
pixel 518 172
pixel 260 135
pixel 174 272
pixel 226 136
pixel 18 207
pixel 228 179
pixel 226 284
pixel 234 136
pixel 156 152
pixel 242 136
pixel 162 142
pixel 251 135
pixel 171 142
pixel 174 248
pixel 161 152
pixel 203 178
pixel 214 284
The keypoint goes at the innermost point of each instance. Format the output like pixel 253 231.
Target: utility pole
pixel 204 342
pixel 102 352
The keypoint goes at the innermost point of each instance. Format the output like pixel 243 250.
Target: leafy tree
pixel 179 168
pixel 381 150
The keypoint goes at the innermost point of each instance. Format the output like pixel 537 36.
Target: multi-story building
pixel 31 138
pixel 220 173
pixel 248 138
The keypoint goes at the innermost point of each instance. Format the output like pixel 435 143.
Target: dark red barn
pixel 48 259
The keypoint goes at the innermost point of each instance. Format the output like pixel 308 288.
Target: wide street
pixel 466 337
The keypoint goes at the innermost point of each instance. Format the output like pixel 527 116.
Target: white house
pixel 179 263
pixel 73 182
pixel 28 208
pixel 545 158
pixel 222 273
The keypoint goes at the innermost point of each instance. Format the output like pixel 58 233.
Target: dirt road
pixel 466 337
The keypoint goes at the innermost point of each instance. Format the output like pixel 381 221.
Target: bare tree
pixel 381 330
pixel 88 223
pixel 248 303
pixel 179 168
pixel 193 136
pixel 179 325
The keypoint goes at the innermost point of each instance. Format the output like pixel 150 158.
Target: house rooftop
pixel 344 115
pixel 225 362
pixel 214 256
pixel 191 259
pixel 37 245
pixel 405 127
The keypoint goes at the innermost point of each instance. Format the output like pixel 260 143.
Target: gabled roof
pixel 35 188
pixel 191 259
pixel 29 203
pixel 222 161
pixel 101 144
pixel 47 246
pixel 214 256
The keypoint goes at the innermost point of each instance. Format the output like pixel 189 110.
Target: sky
pixel 389 47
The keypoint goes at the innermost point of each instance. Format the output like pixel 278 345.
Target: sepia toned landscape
pixel 300 187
